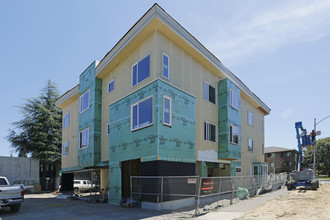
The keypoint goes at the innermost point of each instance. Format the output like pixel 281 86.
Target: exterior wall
pixel 91 118
pixel 122 87
pixel 228 116
pixel 19 168
pixel 189 75
pixel 254 132
pixel 156 142
pixel 71 134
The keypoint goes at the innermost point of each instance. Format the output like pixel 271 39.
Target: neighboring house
pixel 160 104
pixel 281 159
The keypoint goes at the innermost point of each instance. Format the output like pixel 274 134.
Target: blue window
pixel 209 92
pixel 66 120
pixel 84 101
pixel 83 138
pixel 209 132
pixel 166 66
pixel 233 99
pixel 142 114
pixel 111 86
pixel 167 110
pixel 65 149
pixel 141 70
pixel 250 144
pixel 234 134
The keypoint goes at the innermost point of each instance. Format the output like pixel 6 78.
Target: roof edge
pixel 157 11
pixel 67 95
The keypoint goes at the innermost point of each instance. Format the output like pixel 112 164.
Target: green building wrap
pixel 157 141
pixel 228 116
pixel 91 117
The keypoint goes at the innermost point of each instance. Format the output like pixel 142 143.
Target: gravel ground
pixel 298 204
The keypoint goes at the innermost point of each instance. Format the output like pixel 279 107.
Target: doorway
pixel 129 168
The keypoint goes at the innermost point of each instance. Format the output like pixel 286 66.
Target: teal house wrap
pixel 156 141
pixel 229 118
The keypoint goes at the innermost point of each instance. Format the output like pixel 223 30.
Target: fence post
pixel 219 191
pixel 131 185
pixel 198 195
pixel 161 193
pixel 232 191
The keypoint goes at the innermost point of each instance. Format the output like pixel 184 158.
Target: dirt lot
pixel 297 204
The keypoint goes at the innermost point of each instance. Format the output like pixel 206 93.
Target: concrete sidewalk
pixel 240 208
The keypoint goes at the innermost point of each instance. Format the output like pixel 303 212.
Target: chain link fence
pixel 194 193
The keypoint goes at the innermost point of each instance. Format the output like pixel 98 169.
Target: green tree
pixel 322 156
pixel 39 131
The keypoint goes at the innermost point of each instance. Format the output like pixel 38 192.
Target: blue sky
pixel 279 49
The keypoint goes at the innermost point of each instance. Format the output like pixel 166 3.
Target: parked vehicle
pixel 82 186
pixel 10 196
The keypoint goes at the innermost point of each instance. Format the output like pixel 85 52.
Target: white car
pixel 82 186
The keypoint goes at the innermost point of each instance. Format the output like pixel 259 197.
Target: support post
pixel 232 190
pixel 198 195
pixel 161 193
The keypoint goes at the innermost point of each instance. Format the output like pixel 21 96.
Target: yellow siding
pixel 189 75
pixel 70 134
pixel 255 132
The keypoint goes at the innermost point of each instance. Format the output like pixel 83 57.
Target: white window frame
pixel 65 145
pixel 169 98
pixel 168 66
pixel 152 111
pixel 250 139
pixel 250 118
pixel 207 93
pixel 81 98
pixel 238 168
pixel 66 118
pixel 232 136
pixel 231 101
pixel 137 63
pixel 207 132
pixel 108 88
pixel 107 128
pixel 81 131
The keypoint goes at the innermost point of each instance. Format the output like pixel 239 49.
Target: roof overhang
pixel 157 19
pixel 67 97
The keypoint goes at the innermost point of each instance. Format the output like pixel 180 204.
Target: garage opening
pixel 129 168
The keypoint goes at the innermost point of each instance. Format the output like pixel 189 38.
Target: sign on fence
pixel 207 186
pixel 192 180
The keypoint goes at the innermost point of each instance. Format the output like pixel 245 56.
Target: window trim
pixel 80 147
pixel 66 115
pixel 169 98
pixel 137 63
pixel 63 149
pixel 207 134
pixel 108 87
pixel 252 116
pixel 168 66
pixel 249 145
pixel 80 98
pixel 232 137
pixel 231 99
pixel 152 111
pixel 207 98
